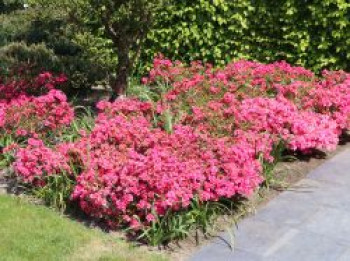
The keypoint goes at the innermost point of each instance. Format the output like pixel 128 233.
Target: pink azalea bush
pixel 134 169
pixel 331 97
pixel 36 161
pixel 34 112
pixel 207 138
pixel 21 83
pixel 300 130
pixel 32 108
pixel 28 116
pixel 289 103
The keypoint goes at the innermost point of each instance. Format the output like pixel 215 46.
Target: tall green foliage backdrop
pixel 312 33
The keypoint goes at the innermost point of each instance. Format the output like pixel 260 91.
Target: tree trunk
pixel 120 83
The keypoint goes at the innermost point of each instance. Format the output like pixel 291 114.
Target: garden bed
pixel 287 174
pixel 189 146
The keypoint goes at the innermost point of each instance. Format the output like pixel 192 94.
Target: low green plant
pixel 271 180
pixel 13 27
pixel 37 56
pixel 199 218
pixel 143 92
pixel 84 121
pixel 56 190
pixel 6 158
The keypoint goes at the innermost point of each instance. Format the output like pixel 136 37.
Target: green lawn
pixel 29 232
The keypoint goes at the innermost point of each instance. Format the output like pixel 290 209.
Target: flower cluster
pixel 35 162
pixel 32 108
pixel 127 107
pixel 35 116
pixel 2 115
pixel 300 130
pixel 331 96
pixel 22 84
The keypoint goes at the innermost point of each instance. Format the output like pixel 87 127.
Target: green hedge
pixel 315 34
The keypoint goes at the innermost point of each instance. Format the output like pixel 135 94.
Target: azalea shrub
pixel 48 173
pixel 37 161
pixel 288 103
pixel 21 81
pixel 32 106
pixel 205 139
pixel 133 168
pixel 34 112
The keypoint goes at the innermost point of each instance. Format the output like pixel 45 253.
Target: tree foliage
pixel 126 23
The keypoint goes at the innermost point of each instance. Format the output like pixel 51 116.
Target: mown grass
pixel 32 232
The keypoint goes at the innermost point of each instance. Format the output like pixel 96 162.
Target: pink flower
pixel 35 142
pixel 150 218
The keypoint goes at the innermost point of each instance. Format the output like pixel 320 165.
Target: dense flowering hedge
pixel 134 169
pixel 33 107
pixel 225 124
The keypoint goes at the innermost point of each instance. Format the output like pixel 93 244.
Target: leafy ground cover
pixel 30 232
pixel 191 142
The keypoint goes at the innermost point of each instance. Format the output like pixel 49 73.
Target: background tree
pixel 126 23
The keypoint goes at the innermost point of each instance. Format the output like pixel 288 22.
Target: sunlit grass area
pixel 31 232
